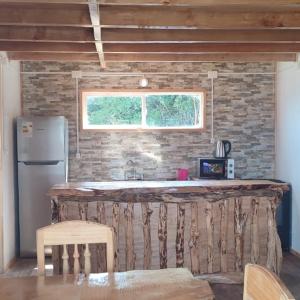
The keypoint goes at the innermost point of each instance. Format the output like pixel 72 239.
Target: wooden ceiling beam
pixel 201 18
pixel 148 16
pixel 132 35
pixel 61 47
pixel 125 35
pixel 169 2
pixel 43 56
pixel 45 15
pixel 46 34
pixel 201 48
pixel 142 57
pixel 47 47
pixel 201 2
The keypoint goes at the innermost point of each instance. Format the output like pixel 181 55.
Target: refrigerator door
pixel 35 181
pixel 41 138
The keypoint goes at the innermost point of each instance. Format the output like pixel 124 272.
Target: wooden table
pixel 164 284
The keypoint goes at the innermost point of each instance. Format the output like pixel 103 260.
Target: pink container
pixel 182 174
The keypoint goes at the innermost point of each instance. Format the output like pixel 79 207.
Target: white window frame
pixel 142 93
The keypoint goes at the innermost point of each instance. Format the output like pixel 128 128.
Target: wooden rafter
pixel 95 19
pixel 133 35
pixel 146 57
pixel 46 34
pixel 198 18
pixel 171 2
pixel 62 47
pixel 45 15
pixel 149 16
pixel 201 47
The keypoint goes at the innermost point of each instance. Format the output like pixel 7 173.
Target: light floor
pixel 290 275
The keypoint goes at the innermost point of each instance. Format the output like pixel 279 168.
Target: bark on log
pixel 162 235
pixel 101 249
pixel 55 249
pixel 180 236
pixel 254 232
pixel 210 236
pixel 240 220
pixel 115 225
pixel 83 209
pixel 224 206
pixel 146 215
pixel 274 254
pixel 130 255
pixel 194 240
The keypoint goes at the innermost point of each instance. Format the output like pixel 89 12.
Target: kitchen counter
pixel 94 189
pixel 208 226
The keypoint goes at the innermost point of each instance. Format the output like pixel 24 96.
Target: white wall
pixel 11 109
pixel 288 138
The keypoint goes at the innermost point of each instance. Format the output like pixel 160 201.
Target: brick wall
pixel 244 111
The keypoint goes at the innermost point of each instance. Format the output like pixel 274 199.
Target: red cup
pixel 182 174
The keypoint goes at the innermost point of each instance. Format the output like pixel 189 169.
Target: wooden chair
pixel 75 233
pixel 262 284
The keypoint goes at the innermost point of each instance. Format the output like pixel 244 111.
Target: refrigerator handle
pixel 36 163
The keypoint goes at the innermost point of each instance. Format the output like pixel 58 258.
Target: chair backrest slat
pixel 87 259
pixel 75 233
pixel 65 258
pixel 262 284
pixel 76 260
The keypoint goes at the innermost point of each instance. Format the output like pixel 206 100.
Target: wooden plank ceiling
pixel 150 30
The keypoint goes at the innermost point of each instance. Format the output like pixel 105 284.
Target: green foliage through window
pixel 143 110
pixel 114 110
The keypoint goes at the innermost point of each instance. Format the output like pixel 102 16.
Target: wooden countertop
pixel 163 187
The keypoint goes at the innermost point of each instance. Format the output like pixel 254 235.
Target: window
pixel 143 110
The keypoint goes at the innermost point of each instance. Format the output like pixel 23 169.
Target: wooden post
pixel 239 226
pixel 146 214
pixel 162 235
pixel 54 210
pixel 274 254
pixel 83 209
pixel 194 240
pixel 254 231
pixel 115 225
pixel 223 234
pixel 55 249
pixel 180 236
pixel 130 255
pixel 210 237
pixel 101 217
pixel 101 249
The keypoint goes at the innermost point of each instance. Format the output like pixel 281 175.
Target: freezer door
pixel 34 206
pixel 41 138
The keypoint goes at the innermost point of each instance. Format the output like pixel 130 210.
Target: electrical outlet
pixel 212 74
pixel 78 156
pixel 212 140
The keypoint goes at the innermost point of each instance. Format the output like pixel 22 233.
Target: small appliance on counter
pixel 223 149
pixel 215 168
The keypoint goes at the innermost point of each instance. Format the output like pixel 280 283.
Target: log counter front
pixel 208 226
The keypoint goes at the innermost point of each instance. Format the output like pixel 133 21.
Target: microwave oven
pixel 215 168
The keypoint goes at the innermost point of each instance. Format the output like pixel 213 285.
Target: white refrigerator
pixel 42 151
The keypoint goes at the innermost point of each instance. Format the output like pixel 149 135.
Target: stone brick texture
pixel 244 113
